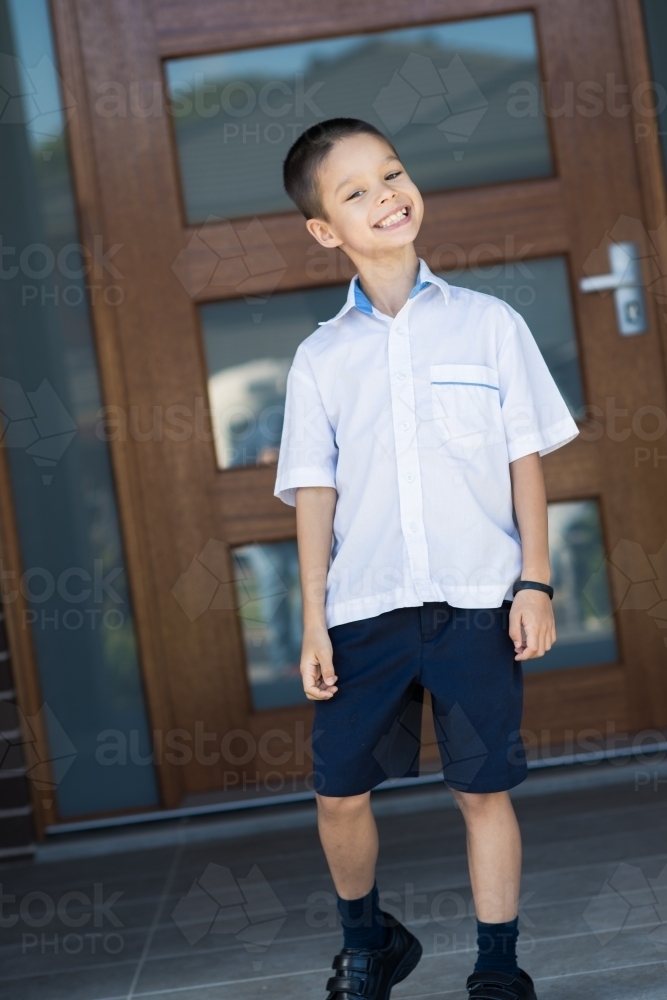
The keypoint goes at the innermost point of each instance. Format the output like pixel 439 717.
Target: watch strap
pixel 533 585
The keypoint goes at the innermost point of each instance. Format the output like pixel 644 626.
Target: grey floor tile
pixel 574 842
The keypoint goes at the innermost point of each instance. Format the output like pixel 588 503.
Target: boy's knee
pixel 480 803
pixel 342 807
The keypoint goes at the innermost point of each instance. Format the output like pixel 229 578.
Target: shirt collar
pixel 357 297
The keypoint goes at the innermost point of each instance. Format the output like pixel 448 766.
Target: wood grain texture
pixel 208 26
pixel 172 498
pixel 583 43
pixel 460 229
pixel 173 511
pixel 124 458
pixel 570 701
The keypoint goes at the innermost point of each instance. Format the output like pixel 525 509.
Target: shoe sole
pixel 409 961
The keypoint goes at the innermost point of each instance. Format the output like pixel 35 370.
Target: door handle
pixel 625 280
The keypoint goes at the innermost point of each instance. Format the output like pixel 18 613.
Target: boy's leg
pixel 350 840
pixel 377 952
pixel 477 707
pixel 358 742
pixel 494 854
pixel 494 861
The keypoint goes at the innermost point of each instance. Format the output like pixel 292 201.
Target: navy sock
pixel 363 923
pixel 496 945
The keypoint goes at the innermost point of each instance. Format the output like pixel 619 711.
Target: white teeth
pixel 391 219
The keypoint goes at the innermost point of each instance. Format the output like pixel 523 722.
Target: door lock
pixel 625 280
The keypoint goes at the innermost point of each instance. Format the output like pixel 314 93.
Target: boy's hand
pixel 532 626
pixel 317 672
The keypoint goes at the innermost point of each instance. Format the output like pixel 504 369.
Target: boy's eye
pixel 394 173
pixel 353 195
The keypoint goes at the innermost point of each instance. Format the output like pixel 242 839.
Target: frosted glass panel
pixel 248 361
pixel 459 101
pixel 269 596
pixel 584 623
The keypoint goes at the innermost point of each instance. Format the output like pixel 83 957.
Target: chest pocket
pixel 466 408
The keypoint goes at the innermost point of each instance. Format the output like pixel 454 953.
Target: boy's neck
pixel 388 281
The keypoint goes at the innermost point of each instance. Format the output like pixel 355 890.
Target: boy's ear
pixel 323 233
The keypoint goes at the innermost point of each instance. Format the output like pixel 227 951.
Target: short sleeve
pixel 308 452
pixel 535 415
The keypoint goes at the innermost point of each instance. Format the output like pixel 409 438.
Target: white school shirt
pixel 414 420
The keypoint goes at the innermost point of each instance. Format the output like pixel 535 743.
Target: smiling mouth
pixel 395 219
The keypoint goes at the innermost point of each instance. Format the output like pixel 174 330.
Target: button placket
pixel 407 454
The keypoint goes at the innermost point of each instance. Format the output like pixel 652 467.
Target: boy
pixel 414 424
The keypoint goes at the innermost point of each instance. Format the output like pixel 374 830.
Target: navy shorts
pixel 370 731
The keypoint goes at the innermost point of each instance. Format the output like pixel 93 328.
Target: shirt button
pixel 413 526
pixel 405 425
pixel 410 478
pixel 400 375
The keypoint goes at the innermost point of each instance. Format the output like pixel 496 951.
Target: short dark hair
pixel 307 154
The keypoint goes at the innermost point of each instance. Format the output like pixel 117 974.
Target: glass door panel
pixel 459 102
pixel 74 575
pixel 582 607
pixel 248 354
pixel 269 602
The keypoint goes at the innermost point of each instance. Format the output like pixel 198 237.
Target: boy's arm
pixel 315 507
pixel 531 609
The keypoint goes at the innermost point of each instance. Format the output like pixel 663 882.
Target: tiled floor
pixel 575 941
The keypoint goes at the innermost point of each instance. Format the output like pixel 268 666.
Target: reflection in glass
pixel 539 291
pixel 582 608
pixel 73 562
pixel 269 597
pixel 248 355
pixel 461 103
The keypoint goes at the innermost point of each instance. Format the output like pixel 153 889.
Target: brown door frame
pixel 171 497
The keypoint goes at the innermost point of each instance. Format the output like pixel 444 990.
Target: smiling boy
pixel 414 424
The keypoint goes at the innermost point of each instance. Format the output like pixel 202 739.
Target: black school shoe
pixel 501 986
pixel 361 972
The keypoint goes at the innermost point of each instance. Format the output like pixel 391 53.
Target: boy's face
pixel 372 206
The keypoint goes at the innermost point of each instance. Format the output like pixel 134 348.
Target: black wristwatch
pixel 533 585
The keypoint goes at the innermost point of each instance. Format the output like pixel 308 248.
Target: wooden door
pixel 181 510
